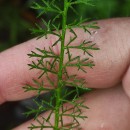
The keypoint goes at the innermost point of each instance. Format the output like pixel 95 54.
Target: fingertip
pixel 126 82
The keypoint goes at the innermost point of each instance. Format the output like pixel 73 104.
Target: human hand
pixel 109 104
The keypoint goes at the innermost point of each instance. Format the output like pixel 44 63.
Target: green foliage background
pixel 16 18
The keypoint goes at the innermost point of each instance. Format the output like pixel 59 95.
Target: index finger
pixel 111 61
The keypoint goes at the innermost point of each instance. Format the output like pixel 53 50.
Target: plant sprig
pixel 50 62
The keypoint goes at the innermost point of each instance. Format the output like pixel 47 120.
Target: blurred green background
pixel 16 18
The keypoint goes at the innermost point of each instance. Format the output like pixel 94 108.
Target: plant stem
pixel 60 84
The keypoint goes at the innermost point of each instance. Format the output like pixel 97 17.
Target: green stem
pixel 60 84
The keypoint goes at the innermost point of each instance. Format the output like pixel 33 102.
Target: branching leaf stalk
pixel 48 62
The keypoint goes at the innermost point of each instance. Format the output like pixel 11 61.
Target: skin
pixel 109 103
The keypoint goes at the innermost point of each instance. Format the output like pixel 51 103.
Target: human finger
pixel 111 61
pixel 109 110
